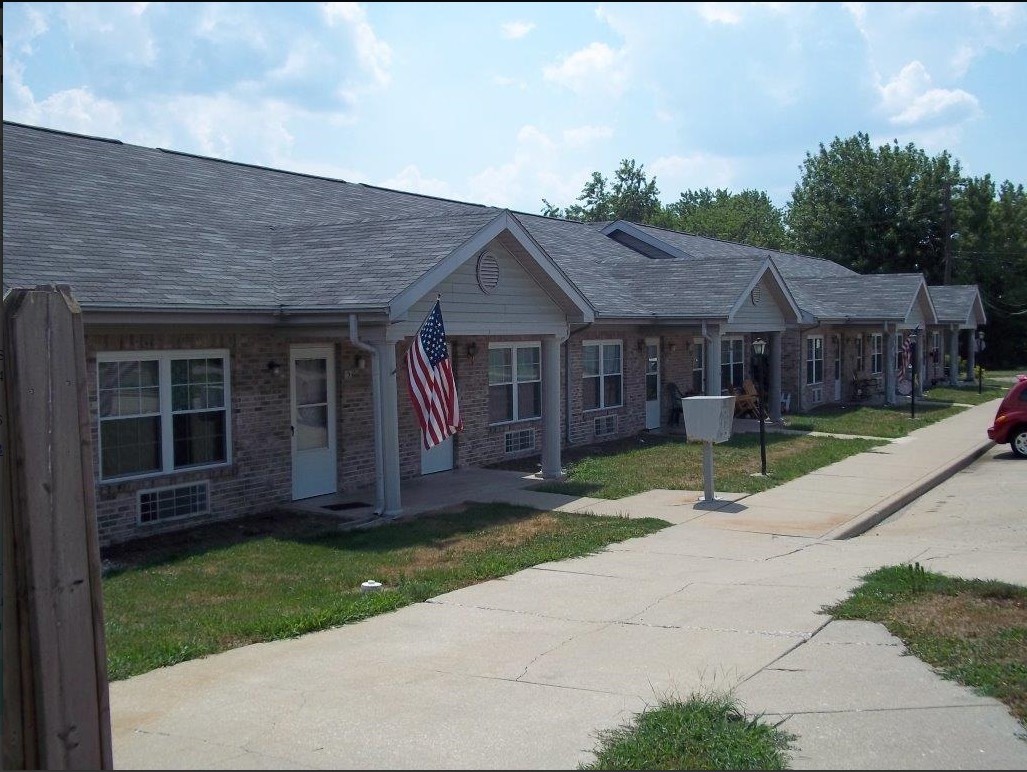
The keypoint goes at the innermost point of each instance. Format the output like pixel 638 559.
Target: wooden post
pixel 56 709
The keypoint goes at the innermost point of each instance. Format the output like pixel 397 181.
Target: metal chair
pixel 675 396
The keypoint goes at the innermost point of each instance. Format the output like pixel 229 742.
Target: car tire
pixel 1018 442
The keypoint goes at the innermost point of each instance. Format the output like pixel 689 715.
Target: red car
pixel 1011 419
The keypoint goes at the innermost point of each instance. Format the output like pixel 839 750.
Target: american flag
pixel 432 387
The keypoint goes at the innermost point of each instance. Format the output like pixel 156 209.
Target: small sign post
pixel 709 420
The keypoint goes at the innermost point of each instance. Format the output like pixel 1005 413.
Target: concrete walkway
pixel 521 672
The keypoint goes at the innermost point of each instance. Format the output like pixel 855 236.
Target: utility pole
pixel 947 233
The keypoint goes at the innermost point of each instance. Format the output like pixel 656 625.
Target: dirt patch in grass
pixel 963 616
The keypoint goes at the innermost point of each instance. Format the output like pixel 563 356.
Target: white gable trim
pixel 505 221
pixel 922 292
pixel 770 268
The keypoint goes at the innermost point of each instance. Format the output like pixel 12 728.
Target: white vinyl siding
pixel 162 412
pixel 814 359
pixel 602 374
pixel 515 382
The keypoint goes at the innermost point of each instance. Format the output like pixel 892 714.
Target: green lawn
pixel 215 597
pixel 870 421
pixel 972 631
pixel 703 732
pixel 677 465
pixel 966 394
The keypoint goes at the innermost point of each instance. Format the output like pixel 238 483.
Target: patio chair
pixel 748 402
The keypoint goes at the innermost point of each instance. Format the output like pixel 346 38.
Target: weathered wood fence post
pixel 56 713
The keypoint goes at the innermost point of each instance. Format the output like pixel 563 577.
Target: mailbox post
pixel 709 420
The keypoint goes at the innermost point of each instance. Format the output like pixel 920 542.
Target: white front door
pixel 652 383
pixel 312 387
pixel 439 458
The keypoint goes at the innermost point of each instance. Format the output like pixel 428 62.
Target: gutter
pixel 376 412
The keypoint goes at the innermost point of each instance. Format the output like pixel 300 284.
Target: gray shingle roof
pixel 870 297
pixel 138 227
pixel 953 302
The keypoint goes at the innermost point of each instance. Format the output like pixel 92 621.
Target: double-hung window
pixel 699 366
pixel 815 359
pixel 515 382
pixel 732 365
pixel 602 374
pixel 162 412
pixel 876 353
pixel 860 360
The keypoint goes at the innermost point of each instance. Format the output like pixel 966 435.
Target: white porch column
pixel 390 427
pixel 889 365
pixel 551 464
pixel 713 361
pixel 971 355
pixel 953 353
pixel 775 376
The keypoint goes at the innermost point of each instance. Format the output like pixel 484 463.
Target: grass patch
pixel 673 464
pixel 704 732
pixel 165 607
pixel 871 421
pixel 972 631
pixel 966 394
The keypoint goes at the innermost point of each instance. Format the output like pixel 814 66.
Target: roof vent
pixel 488 272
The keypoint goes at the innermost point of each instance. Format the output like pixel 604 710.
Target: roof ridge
pixel 387 219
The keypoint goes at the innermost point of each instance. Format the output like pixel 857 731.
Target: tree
pixel 632 196
pixel 748 217
pixel 874 210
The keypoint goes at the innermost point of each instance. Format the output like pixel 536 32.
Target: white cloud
pixel 530 169
pixel 514 30
pixel 411 180
pixel 910 100
pixel 374 55
pixel 503 80
pixel 676 173
pixel 595 67
pixel 585 135
pixel 721 13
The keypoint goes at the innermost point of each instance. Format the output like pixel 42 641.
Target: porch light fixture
pixel 359 362
pixel 671 345
pixel 641 345
pixel 472 350
pixel 274 368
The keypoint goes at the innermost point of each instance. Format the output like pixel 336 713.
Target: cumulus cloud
pixel 909 99
pixel 585 135
pixel 597 66
pixel 412 180
pixel 721 13
pixel 375 55
pixel 691 172
pixel 513 30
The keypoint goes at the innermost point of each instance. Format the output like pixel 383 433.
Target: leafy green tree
pixel 631 196
pixel 748 217
pixel 873 209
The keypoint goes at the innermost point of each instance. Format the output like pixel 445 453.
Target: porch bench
pixel 866 386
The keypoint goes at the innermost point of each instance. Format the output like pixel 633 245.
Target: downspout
pixel 376 411
pixel 567 384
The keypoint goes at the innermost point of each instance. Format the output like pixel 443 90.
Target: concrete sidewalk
pixel 521 672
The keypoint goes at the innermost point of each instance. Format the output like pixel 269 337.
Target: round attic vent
pixel 488 272
pixel 756 295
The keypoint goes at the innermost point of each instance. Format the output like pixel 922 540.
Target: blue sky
pixel 507 103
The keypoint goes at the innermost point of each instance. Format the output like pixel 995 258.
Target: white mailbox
pixel 708 419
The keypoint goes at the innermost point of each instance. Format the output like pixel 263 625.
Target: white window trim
pixel 876 350
pixel 514 345
pixel 861 361
pixel 167 452
pixel 731 362
pixel 699 345
pixel 814 360
pixel 602 375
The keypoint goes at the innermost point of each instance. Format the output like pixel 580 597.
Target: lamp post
pixel 914 339
pixel 759 348
pixel 979 346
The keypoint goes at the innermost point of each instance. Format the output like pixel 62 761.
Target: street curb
pixel 894 503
